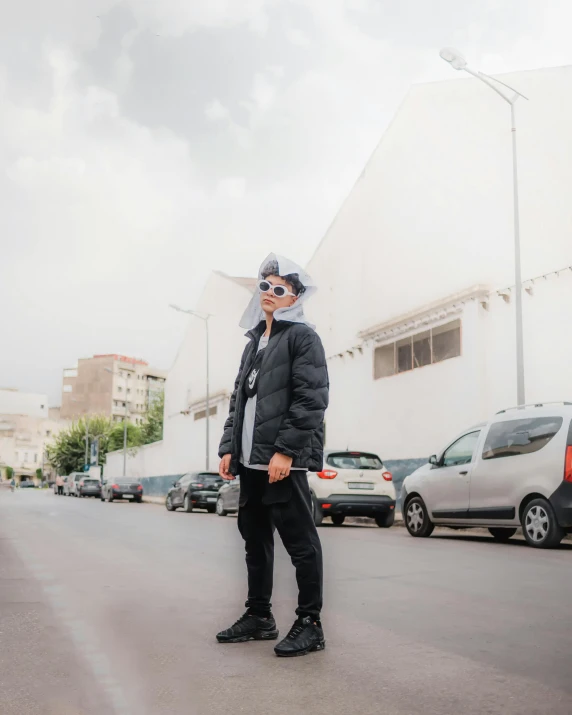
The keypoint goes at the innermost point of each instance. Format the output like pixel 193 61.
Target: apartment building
pixel 26 427
pixel 114 385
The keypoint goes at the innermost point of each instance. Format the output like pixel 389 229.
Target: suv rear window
pixel 508 439
pixel 354 460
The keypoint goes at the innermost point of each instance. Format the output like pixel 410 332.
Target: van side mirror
pixel 433 460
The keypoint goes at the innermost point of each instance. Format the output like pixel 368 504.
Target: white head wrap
pixel 295 313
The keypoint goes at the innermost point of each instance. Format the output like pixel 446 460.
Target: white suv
pixel 515 470
pixel 352 484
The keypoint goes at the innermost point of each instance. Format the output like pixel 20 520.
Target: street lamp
pixel 458 62
pixel 108 369
pixel 205 318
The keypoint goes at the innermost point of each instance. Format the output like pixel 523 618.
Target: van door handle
pixel 464 473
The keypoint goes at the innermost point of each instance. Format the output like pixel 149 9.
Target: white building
pixel 26 427
pixel 417 269
pixel 420 251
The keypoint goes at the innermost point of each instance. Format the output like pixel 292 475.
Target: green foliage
pixel 39 475
pixel 152 427
pixel 66 452
pixel 9 473
pixel 115 437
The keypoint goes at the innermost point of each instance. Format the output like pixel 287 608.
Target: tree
pixel 39 475
pixel 66 452
pixel 9 473
pixel 152 427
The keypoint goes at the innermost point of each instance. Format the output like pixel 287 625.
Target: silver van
pixel 514 471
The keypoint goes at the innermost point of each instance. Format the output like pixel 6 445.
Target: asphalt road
pixel 112 609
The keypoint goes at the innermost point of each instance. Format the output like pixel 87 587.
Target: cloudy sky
pixel 144 143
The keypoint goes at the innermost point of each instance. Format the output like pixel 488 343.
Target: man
pixel 60 484
pixel 274 434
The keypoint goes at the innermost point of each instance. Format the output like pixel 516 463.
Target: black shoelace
pixel 296 630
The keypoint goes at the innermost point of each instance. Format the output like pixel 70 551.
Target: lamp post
pixel 205 318
pixel 458 62
pixel 108 369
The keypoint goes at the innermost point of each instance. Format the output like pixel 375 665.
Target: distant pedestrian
pixel 274 434
pixel 60 484
pixel 12 484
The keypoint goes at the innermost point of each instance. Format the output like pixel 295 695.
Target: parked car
pixel 89 487
pixel 352 484
pixel 122 488
pixel 514 471
pixel 196 490
pixel 71 483
pixel 227 500
pixel 27 484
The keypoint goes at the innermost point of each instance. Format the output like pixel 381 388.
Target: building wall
pixel 90 389
pixel 23 441
pixel 432 212
pixel 14 402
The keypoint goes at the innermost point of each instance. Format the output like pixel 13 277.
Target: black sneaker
pixel 250 628
pixel 305 636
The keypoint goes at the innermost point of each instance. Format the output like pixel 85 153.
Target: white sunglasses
pixel 279 291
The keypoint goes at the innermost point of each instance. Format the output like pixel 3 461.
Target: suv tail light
pixel 568 464
pixel 328 474
pixel 139 488
pixel 388 476
pixel 198 486
pixel 115 486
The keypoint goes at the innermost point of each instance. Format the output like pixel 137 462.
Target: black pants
pixel 60 489
pixel 294 521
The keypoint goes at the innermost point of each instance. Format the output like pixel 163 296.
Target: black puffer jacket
pixel 291 399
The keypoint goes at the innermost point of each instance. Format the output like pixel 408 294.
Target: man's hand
pixel 223 468
pixel 279 467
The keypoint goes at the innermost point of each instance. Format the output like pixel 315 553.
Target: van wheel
pixel 417 519
pixel 385 521
pixel 500 534
pixel 539 525
pixel 338 519
pixel 318 512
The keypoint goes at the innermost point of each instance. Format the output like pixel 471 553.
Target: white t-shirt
pixel 248 424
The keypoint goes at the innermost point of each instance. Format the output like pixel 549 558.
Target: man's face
pixel 270 302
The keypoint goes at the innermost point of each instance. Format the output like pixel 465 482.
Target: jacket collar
pixel 277 327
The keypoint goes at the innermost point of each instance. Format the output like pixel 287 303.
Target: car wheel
pixel 220 510
pixel 539 525
pixel 500 534
pixel 417 519
pixel 338 519
pixel 188 505
pixel 169 503
pixel 318 512
pixel 386 520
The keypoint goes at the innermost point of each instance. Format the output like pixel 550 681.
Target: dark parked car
pixel 197 490
pixel 227 502
pixel 89 487
pixel 122 488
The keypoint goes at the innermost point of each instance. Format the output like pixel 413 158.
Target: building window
pixel 128 390
pixel 68 388
pixel 25 456
pixel 419 350
pixel 35 459
pixel 201 414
